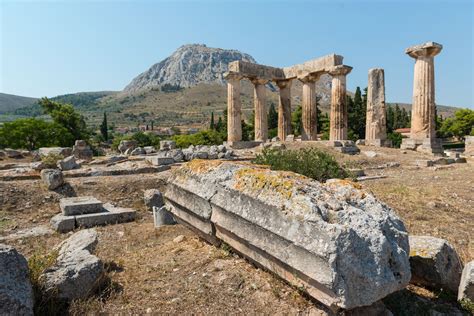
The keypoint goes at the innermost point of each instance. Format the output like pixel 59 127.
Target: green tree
pixel 296 121
pixel 104 130
pixel 357 109
pixel 212 125
pixel 32 133
pixel 220 125
pixel 460 125
pixel 272 117
pixel 66 116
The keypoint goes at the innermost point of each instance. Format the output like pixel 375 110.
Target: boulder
pixel 38 165
pixel 127 144
pixel 176 154
pixel 82 151
pixel 53 178
pixel 149 149
pixel 153 198
pixel 68 163
pixel 16 293
pixel 63 151
pixel 434 263
pixel 466 286
pixel 11 153
pixel 162 216
pixel 138 151
pixel 77 272
pixel 221 149
pixel 167 144
pixel 346 248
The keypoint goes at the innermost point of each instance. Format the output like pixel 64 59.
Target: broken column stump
pixel 87 211
pixel 339 243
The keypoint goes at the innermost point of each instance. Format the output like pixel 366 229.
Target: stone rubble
pixel 434 263
pixel 16 293
pixel 82 151
pixel 466 286
pixel 52 178
pixel 77 272
pixel 153 198
pixel 345 247
pixel 126 145
pixel 68 163
pixel 63 151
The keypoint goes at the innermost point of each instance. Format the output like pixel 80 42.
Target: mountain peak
pixel 189 65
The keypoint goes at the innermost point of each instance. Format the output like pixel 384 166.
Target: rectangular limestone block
pixel 337 241
pixel 80 205
pixel 160 161
pixel 63 224
pixel 110 215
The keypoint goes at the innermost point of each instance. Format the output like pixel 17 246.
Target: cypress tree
pixel 212 126
pixel 104 130
pixel 272 117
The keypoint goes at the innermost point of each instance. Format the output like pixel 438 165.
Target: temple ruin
pixel 308 73
pixel 376 123
pixel 423 113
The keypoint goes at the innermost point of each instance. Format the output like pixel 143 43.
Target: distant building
pixel 404 131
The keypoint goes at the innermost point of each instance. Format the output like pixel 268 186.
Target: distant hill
pixel 11 102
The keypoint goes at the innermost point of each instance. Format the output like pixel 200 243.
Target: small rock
pixel 38 165
pixel 53 178
pixel 370 154
pixel 434 263
pixel 138 151
pixel 68 163
pixel 162 216
pixel 178 239
pixel 221 149
pixel 153 197
pixel 466 286
pixel 360 142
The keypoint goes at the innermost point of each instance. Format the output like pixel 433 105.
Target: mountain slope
pixel 188 66
pixel 11 102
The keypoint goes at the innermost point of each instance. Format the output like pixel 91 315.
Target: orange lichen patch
pixel 202 166
pixel 419 253
pixel 345 182
pixel 260 179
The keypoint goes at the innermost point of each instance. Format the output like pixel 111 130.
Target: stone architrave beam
pixel 251 70
pixel 321 64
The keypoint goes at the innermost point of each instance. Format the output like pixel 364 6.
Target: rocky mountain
pixel 188 66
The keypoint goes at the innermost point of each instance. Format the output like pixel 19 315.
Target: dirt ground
pixel 151 272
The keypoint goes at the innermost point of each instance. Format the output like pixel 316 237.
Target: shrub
pixel 50 160
pixel 143 139
pixel 396 139
pixel 311 162
pixel 206 137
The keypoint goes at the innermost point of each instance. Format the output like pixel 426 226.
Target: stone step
pixel 80 205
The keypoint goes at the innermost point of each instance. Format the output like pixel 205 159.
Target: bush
pixel 51 160
pixel 311 162
pixel 396 139
pixel 207 137
pixel 143 139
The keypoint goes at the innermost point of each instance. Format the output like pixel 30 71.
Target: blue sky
pixel 56 47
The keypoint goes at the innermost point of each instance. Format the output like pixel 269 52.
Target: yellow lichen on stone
pixel 260 179
pixel 202 166
pixel 345 182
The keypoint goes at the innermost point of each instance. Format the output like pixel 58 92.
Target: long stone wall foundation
pixel 336 241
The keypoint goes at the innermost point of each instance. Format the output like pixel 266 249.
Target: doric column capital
pixel 340 70
pixel 282 84
pixel 310 77
pixel 257 81
pixel 232 76
pixel 428 49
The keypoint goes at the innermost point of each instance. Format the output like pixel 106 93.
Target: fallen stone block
pixel 434 263
pixel 127 145
pixel 82 151
pixel 68 163
pixel 12 153
pixel 28 233
pixel 77 272
pixel 110 215
pixel 338 242
pixel 16 293
pixel 63 151
pixel 162 217
pixel 466 286
pixel 63 224
pixel 424 163
pixel 160 161
pixel 167 144
pixel 460 160
pixel 80 205
pixel 52 178
pixel 153 198
pixel 370 154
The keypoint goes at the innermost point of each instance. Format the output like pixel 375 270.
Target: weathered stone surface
pixel 80 205
pixel 126 145
pixel 68 163
pixel 434 263
pixel 466 286
pixel 110 215
pixel 376 122
pixel 63 224
pixel 82 151
pixel 149 150
pixel 153 198
pixel 138 151
pixel 162 216
pixel 370 154
pixel 160 161
pixel 52 178
pixel 12 153
pixel 63 151
pixel 469 146
pixel 346 248
pixel 167 144
pixel 28 233
pixel 38 165
pixel 338 116
pixel 77 272
pixel 424 163
pixel 16 294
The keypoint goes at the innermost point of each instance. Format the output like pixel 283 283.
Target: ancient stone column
pixel 234 108
pixel 309 115
pixel 284 109
pixel 423 108
pixel 261 122
pixel 338 115
pixel 376 123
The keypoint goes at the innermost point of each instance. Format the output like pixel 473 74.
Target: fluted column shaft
pixel 376 121
pixel 261 121
pixel 234 108
pixel 309 114
pixel 338 115
pixel 284 109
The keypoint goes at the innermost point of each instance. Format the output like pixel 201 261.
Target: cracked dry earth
pixel 153 271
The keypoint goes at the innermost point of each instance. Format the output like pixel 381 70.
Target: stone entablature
pixel 308 73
